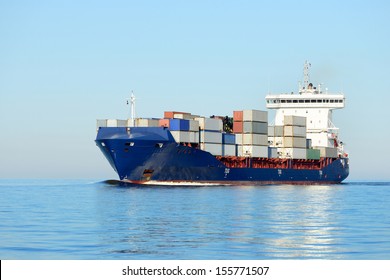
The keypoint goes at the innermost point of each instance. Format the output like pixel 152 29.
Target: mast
pixel 306 76
pixel 132 109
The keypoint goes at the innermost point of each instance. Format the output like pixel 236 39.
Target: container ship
pixel 300 146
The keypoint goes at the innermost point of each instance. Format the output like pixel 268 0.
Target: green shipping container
pixel 313 154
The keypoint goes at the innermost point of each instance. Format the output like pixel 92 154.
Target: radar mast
pixel 306 75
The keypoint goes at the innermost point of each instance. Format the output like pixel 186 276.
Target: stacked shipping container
pixel 252 136
pixel 192 129
pixel 210 130
pixel 294 138
pixel 289 140
pixel 183 129
pixel 229 144
pixel 251 129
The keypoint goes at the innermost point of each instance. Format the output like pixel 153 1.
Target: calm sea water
pixel 79 219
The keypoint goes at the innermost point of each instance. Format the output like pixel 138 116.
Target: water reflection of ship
pixel 304 225
pixel 265 222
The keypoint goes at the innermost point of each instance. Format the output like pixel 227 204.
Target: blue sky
pixel 64 64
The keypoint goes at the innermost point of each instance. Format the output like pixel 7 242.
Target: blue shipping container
pixel 179 124
pixel 228 138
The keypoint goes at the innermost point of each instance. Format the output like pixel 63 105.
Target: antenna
pixel 306 76
pixel 132 108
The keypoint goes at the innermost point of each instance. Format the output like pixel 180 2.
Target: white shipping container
pixel 228 150
pixel 194 137
pixel 214 149
pixel 294 153
pixel 255 116
pixel 295 131
pixel 194 125
pixel 147 122
pixel 181 136
pixel 210 124
pixel 255 139
pixel 295 120
pixel 327 152
pixel 142 122
pixel 185 136
pixel 271 131
pixel 251 139
pixel 154 122
pixel 183 116
pixel 101 123
pixel 122 123
pixel 278 142
pixel 255 127
pixel 210 137
pixel 279 130
pixel 129 123
pixel 239 138
pixel 294 142
pixel 112 123
pixel 252 151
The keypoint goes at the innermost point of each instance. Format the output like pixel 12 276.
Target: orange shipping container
pixel 163 122
pixel 238 116
pixel 237 127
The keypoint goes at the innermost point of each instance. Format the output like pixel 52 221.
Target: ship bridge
pixel 314 104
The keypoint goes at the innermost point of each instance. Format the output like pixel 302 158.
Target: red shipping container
pixel 163 122
pixel 238 116
pixel 237 127
pixel 168 115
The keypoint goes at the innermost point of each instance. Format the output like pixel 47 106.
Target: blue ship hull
pixel 150 155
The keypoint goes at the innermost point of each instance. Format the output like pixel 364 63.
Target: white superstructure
pixel 314 104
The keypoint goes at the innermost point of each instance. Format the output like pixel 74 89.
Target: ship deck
pixel 247 162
